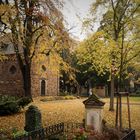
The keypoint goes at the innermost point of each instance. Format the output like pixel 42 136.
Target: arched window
pixel 43 68
pixel 13 69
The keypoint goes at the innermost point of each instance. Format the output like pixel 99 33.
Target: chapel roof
pixel 6 45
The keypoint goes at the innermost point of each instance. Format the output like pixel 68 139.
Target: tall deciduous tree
pixel 120 20
pixel 29 21
pixel 67 68
pixel 93 57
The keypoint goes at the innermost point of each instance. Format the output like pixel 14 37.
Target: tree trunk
pixel 78 90
pixel 27 80
pixel 89 86
pixel 112 94
pixel 121 84
pixel 116 34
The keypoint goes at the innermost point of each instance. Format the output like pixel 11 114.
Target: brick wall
pixel 42 71
pixel 11 79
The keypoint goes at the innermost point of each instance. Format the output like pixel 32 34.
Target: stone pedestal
pixel 94 118
pixel 94 113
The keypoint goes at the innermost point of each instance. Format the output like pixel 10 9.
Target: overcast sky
pixel 71 9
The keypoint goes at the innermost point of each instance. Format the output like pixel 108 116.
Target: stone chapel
pixel 44 80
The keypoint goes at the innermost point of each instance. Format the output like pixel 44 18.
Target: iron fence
pixel 71 127
pixel 61 129
pixel 43 134
pixel 130 136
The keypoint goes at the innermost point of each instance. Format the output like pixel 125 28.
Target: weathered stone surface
pixel 94 112
pixel 33 120
pixel 11 81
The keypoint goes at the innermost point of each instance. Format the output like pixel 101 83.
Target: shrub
pixel 134 95
pixel 138 91
pixel 9 107
pixel 70 97
pixel 12 107
pixel 16 133
pixel 49 98
pixel 65 93
pixel 5 98
pixel 24 101
pixel 58 98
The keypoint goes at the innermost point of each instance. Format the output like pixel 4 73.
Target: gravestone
pixel 32 119
pixel 101 90
pixel 94 111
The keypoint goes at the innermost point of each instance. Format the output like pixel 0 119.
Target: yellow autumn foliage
pixel 69 111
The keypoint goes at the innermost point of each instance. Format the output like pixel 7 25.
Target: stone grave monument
pixel 94 112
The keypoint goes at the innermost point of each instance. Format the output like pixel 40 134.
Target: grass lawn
pixel 70 111
pixel 131 99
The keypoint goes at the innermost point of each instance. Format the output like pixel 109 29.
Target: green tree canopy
pixel 120 20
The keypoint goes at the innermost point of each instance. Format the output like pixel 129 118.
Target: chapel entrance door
pixel 43 87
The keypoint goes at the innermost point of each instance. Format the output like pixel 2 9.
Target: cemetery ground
pixel 70 111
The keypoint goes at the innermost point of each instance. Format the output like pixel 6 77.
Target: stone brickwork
pixel 11 79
